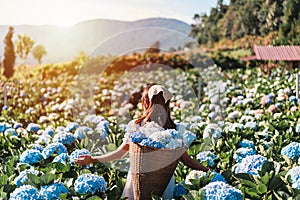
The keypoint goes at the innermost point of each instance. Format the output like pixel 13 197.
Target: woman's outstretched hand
pixel 84 160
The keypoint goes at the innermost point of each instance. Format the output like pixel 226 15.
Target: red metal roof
pixel 248 58
pixel 287 53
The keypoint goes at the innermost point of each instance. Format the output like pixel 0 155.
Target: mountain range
pixel 101 36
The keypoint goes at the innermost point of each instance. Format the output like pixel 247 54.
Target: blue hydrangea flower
pixel 297 128
pixel 104 124
pixel 103 128
pixel 33 127
pixel 175 134
pixel 90 184
pixel 137 137
pixel 213 115
pixel 179 190
pixel 251 125
pixel 4 126
pixel 53 191
pixel 292 150
pixel 25 192
pixel 207 156
pixel 292 98
pixel 64 138
pixel 60 129
pixel 242 153
pixel 212 131
pixel 278 105
pixel 49 131
pixel 271 96
pixel 61 158
pixel 268 101
pixel 188 138
pixel 247 144
pixel 54 148
pixel 81 132
pixel 294 173
pixel 31 156
pixel 77 153
pixel 149 142
pixel 19 180
pixel 217 177
pixel 250 164
pixel 37 147
pixel 11 132
pixel 17 125
pixel 72 126
pixel 221 191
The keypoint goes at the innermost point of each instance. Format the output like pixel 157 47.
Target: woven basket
pixel 151 169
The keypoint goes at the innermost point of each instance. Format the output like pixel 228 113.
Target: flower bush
pixel 294 175
pixel 77 153
pixel 64 138
pixel 90 183
pixel 25 192
pixel 250 164
pixel 241 153
pixel 292 150
pixel 207 157
pixel 241 115
pixel 31 156
pixel 22 178
pixel 53 148
pixel 53 191
pixel 221 191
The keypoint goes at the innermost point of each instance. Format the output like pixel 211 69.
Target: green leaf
pixel 261 189
pixel 63 196
pixel 266 178
pixel 275 183
pixel 266 167
pixel 244 176
pixel 94 198
pixel 252 192
pixel 283 195
pixel 8 188
pixel 3 195
pixel 193 195
pixel 156 197
pixel 110 147
pixel 247 183
pixel 3 179
pixel 47 179
pixel 35 179
pixel 60 167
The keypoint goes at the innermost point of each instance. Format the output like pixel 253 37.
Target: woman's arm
pixel 190 162
pixel 115 155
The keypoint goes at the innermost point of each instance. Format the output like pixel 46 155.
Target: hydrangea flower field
pixel 246 126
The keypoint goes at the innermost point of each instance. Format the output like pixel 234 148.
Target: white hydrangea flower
pixel 194 174
pixel 151 127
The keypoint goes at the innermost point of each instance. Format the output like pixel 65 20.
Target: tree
pixel 289 29
pixel 154 48
pixel 24 45
pixel 39 52
pixel 9 54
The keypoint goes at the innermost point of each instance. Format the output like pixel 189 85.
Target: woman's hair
pixel 156 110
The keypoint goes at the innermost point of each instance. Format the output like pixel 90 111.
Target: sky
pixel 70 12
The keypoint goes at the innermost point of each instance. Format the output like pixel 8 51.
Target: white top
pixel 128 190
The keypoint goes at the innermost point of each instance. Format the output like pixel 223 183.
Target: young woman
pixel 156 107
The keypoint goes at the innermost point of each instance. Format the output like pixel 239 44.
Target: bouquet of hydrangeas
pixel 153 135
